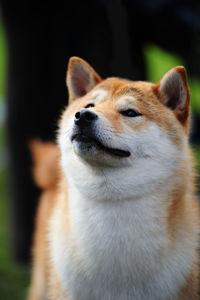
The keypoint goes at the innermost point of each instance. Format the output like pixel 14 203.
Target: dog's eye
pixel 89 105
pixel 130 113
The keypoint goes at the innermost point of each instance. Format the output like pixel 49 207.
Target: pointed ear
pixel 173 91
pixel 81 78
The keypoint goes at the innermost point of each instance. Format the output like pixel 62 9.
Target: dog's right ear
pixel 81 78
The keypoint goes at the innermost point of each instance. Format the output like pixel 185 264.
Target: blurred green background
pixel 14 279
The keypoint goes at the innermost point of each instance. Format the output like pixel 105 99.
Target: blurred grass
pixel 158 62
pixel 14 278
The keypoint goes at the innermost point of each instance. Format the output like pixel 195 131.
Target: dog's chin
pixel 88 150
pixel 91 148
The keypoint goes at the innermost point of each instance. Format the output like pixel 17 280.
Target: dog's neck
pixel 109 229
pixel 121 217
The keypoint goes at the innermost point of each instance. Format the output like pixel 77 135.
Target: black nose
pixel 84 117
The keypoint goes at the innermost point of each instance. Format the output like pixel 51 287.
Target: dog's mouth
pixel 93 141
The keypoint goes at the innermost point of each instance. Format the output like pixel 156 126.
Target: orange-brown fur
pixel 46 174
pixel 191 287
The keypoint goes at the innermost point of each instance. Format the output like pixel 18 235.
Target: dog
pixel 46 173
pixel 123 220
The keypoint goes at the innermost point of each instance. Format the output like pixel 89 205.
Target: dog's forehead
pixel 115 89
pixel 99 94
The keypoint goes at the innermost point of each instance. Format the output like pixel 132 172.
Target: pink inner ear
pixel 80 81
pixel 174 92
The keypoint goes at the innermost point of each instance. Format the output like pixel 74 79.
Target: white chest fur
pixel 117 250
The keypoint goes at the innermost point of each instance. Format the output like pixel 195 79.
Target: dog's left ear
pixel 173 91
pixel 81 78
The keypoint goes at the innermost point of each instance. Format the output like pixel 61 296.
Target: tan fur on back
pixel 46 174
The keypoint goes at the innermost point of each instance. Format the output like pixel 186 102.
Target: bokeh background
pixel 14 275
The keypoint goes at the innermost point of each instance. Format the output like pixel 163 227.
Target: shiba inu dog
pixel 46 172
pixel 122 222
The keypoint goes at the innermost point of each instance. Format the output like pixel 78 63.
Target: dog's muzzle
pixel 84 134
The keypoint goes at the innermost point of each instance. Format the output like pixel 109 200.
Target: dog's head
pixel 117 123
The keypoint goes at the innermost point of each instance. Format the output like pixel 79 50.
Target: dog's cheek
pixel 64 134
